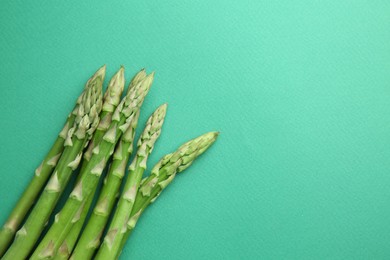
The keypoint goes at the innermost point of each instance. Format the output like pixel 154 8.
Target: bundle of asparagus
pixel 100 128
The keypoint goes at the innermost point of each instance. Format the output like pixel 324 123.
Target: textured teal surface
pixel 300 91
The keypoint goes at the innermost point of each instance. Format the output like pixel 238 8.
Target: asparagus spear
pixel 111 100
pixel 110 189
pixel 42 174
pixel 162 174
pixel 70 240
pixel 65 249
pixel 145 146
pixel 86 121
pixel 70 213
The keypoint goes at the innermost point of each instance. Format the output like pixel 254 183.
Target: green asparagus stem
pixel 42 174
pixel 111 100
pixel 71 239
pixel 126 201
pixel 86 121
pixel 70 213
pixel 162 174
pixel 90 237
pixel 65 249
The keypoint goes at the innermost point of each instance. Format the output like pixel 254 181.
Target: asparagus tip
pixel 216 133
pixel 102 71
pixel 148 80
pixel 164 106
pixel 137 79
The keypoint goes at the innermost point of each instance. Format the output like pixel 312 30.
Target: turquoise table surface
pixel 299 89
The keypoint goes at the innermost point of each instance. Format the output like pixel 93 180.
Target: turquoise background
pixel 299 89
